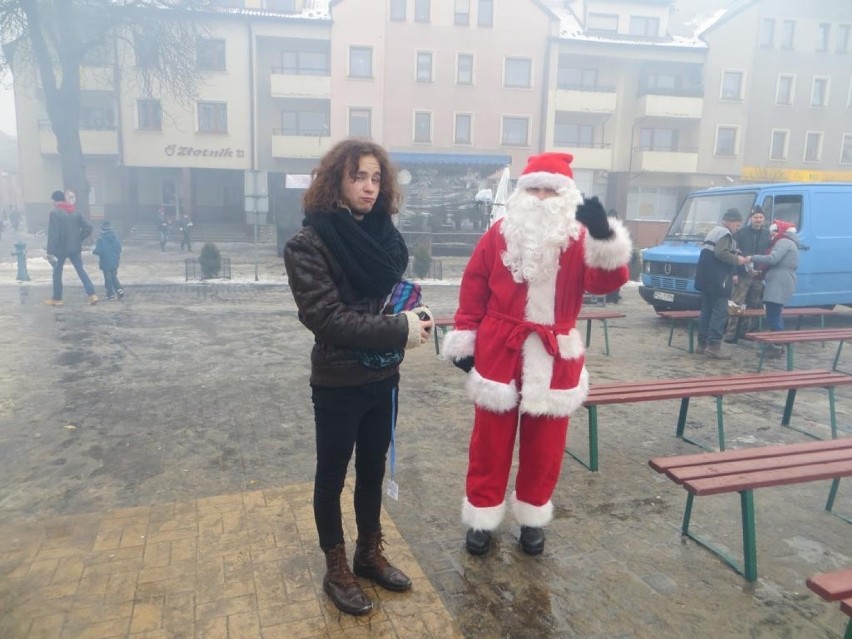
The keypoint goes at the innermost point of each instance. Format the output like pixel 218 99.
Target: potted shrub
pixel 422 260
pixel 210 260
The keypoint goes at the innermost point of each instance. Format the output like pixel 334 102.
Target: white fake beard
pixel 537 231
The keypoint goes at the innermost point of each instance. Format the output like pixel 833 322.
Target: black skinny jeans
pixel 356 417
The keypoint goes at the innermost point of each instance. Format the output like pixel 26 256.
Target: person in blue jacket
pixel 108 250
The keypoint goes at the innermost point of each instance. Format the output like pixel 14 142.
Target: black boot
pixel 370 563
pixel 532 540
pixel 341 586
pixel 477 542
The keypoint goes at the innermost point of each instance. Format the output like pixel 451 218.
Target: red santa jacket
pixel 528 352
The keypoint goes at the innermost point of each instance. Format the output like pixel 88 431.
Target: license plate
pixel 665 297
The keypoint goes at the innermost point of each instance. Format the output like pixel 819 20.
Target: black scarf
pixel 371 252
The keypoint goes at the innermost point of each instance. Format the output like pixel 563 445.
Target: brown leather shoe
pixel 341 586
pixel 371 564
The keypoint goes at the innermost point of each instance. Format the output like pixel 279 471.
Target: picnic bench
pixel 744 470
pixel 693 316
pixel 716 386
pixel 835 586
pixel 445 323
pixel 791 338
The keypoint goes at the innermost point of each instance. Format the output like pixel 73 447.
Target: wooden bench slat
pixel 846 606
pixel 794 337
pixel 805 311
pixel 719 469
pixel 832 586
pixel 767 478
pixel 663 464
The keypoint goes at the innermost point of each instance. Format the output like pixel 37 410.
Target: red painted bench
pixel 835 586
pixel 744 470
pixel 791 338
pixel 445 323
pixel 715 386
pixel 692 318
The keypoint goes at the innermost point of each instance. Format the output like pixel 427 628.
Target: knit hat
pixel 780 227
pixel 105 225
pixel 549 171
pixel 57 196
pixel 732 215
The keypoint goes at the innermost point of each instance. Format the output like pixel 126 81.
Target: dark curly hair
pixel 325 192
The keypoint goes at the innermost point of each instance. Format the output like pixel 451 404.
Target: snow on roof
pixel 702 23
pixel 313 10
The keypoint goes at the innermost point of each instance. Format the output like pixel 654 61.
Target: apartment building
pixel 457 89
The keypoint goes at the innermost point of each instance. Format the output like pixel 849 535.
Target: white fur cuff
pixel 612 253
pixel 413 339
pixel 482 518
pixel 532 516
pixel 490 395
pixel 458 344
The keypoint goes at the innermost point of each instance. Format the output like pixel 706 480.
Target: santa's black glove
pixel 592 215
pixel 464 363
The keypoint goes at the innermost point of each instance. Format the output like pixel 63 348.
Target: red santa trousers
pixel 541 450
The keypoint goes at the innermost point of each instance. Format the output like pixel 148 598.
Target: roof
pixel 313 10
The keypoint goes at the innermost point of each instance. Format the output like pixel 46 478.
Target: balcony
pixel 598 99
pixel 299 146
pixel 670 106
pixel 94 141
pixel 291 85
pixel 598 156
pixel 670 161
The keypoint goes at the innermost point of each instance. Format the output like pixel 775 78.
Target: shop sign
pixel 175 150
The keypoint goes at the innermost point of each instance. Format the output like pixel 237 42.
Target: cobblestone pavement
pixel 156 456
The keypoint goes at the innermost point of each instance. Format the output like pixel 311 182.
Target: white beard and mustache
pixel 537 231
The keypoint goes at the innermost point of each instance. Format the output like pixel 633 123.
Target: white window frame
pixel 791 24
pixel 398 11
pixel 785 151
pixel 601 17
pixel 823 36
pixel 739 97
pixel 217 46
pixel 414 115
pixel 417 55
pixel 506 68
pixel 818 157
pixel 456 115
pixel 349 51
pixel 481 16
pixel 158 109
pixel 459 54
pixel 216 103
pixel 849 96
pixel 827 95
pixel 846 141
pixel 792 78
pixel 792 89
pixel 461 12
pixel 767 28
pixel 843 35
pixel 735 147
pixel 368 111
pixel 503 119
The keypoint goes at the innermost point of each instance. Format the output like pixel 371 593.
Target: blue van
pixel 821 211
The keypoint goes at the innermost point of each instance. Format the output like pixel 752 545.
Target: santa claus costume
pixel 515 330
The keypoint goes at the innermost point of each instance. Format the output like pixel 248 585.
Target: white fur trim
pixel 482 518
pixel 494 396
pixel 531 516
pixel 571 346
pixel 542 179
pixel 543 400
pixel 458 344
pixel 612 253
pixel 413 339
pixel 541 298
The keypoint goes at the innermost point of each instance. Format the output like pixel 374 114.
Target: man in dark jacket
pixel 717 266
pixel 66 230
pixel 751 239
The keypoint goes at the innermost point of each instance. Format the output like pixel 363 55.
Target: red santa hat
pixel 548 170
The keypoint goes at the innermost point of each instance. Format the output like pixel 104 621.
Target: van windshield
pixel 700 213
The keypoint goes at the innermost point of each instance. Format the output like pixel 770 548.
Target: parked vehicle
pixel 821 212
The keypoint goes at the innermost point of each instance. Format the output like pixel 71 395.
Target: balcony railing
pixel 596 88
pixel 665 160
pixel 686 92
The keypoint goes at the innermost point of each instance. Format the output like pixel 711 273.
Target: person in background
pixel 714 277
pixel 66 230
pixel 108 250
pixel 515 334
pixel 163 228
pixel 186 232
pixel 751 239
pixel 779 265
pixel 341 267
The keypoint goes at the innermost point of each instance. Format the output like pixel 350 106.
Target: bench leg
pixel 681 418
pixel 790 356
pixel 720 422
pixel 437 344
pixel 788 407
pixel 832 495
pixel 848 634
pixel 691 331
pixel 681 425
pixel 762 354
pixel 593 441
pixel 837 356
pixel 588 333
pixel 749 567
pixel 671 332
pixel 606 337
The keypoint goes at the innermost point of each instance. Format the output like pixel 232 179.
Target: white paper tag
pixel 393 490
